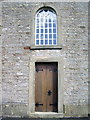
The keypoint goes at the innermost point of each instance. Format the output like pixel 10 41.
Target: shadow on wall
pixel 85 118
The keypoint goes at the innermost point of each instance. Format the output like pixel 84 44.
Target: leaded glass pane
pixel 37 36
pixel 54 30
pixel 50 25
pixel 37 31
pixel 46 36
pixel 54 24
pixel 46 25
pixel 46 30
pixel 54 35
pixel 54 42
pixel 50 30
pixel 46 42
pixel 41 42
pixel 50 42
pixel 37 42
pixel 41 30
pixel 50 36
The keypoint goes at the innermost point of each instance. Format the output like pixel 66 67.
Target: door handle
pixel 38 104
pixel 49 92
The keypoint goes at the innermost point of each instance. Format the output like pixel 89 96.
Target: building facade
pixel 44 59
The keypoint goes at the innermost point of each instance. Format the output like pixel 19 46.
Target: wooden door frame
pixel 31 109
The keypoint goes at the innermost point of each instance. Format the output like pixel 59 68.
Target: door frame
pixel 31 107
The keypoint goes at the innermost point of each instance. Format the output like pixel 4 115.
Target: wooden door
pixel 46 87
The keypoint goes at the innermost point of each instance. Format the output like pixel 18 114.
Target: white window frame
pixel 45 15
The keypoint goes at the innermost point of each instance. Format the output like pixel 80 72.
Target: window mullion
pixel 44 30
pixel 52 28
pixel 35 29
pixel 56 31
pixel 39 30
pixel 48 29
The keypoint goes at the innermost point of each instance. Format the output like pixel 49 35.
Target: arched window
pixel 46 27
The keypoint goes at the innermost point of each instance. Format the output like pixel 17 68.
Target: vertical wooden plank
pixel 38 88
pixel 52 86
pixel 44 86
pixel 55 88
pixel 49 88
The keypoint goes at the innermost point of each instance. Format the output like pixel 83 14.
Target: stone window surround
pixel 31 108
pixel 59 27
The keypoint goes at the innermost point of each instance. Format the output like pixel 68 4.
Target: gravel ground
pixel 45 118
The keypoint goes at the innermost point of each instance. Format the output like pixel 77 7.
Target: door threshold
pixel 46 115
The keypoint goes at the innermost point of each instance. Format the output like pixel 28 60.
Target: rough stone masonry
pixel 16 26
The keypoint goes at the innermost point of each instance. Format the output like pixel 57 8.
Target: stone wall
pixel 89 56
pixel 17 34
pixel 0 61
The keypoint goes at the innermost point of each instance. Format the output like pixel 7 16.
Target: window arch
pixel 46 27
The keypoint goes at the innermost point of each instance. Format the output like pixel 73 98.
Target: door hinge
pixel 63 108
pixel 38 69
pixel 53 104
pixel 38 104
